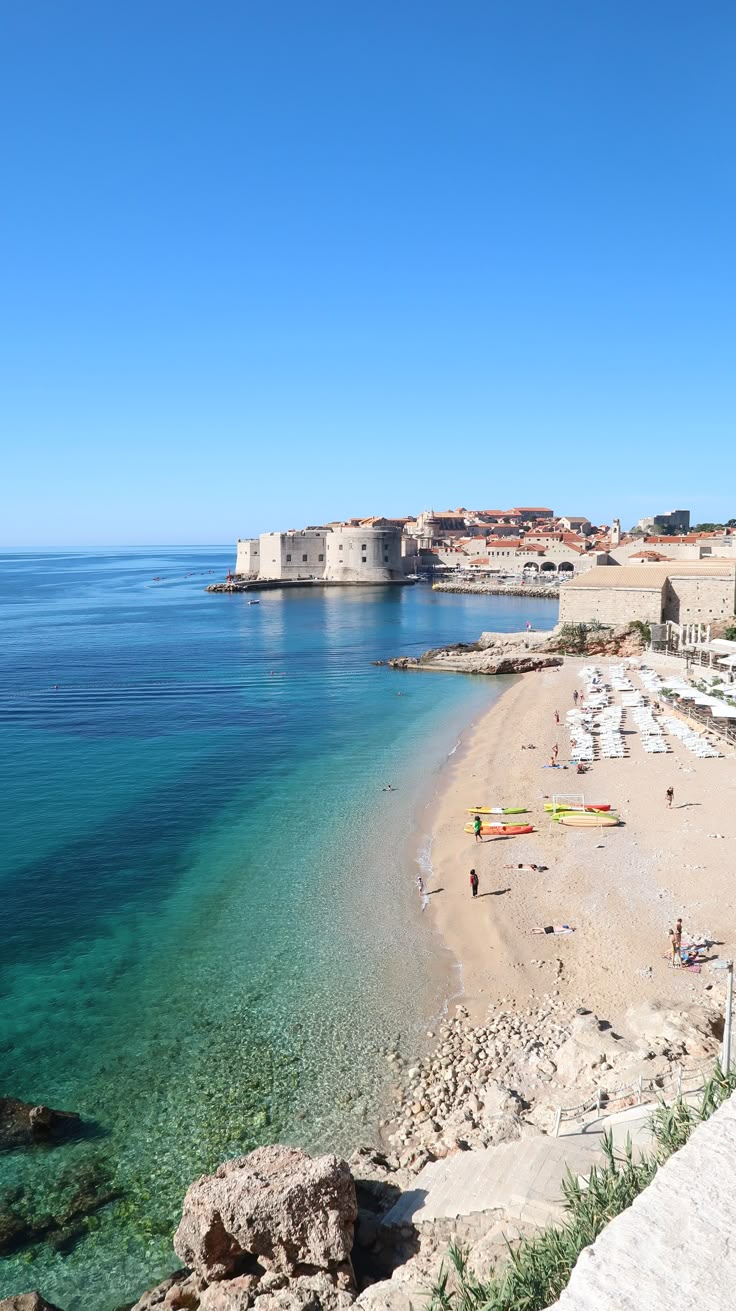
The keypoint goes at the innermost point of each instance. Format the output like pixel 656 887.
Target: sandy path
pixel 622 888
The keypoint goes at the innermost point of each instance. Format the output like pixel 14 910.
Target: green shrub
pixel 644 631
pixel 574 638
pixel 731 633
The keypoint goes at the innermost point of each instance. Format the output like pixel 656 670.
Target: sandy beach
pixel 622 888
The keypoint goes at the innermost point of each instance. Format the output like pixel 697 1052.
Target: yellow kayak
pixel 589 821
pixel 497 810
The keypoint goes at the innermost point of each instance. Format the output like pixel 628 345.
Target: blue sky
pixel 269 262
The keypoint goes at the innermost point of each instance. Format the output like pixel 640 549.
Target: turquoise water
pixel 211 933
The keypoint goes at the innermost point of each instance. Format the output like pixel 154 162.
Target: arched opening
pixel 531 567
pixel 549 567
pixel 565 567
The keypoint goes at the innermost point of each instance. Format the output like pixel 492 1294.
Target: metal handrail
pixel 638 1088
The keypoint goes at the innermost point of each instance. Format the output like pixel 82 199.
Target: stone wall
pixel 293 555
pixel 248 558
pixel 699 600
pixel 611 605
pixel 674 1245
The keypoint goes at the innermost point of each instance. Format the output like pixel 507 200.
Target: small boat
pixel 497 810
pixel 501 830
pixel 254 603
pixel 589 821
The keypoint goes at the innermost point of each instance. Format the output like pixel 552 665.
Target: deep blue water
pixel 210 932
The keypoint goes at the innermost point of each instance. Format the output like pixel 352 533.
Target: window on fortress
pixel 363 546
pixel 320 557
pixel 304 559
pixel 340 547
pixel 364 558
pixel 288 559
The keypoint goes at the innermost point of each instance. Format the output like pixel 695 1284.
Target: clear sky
pixel 269 262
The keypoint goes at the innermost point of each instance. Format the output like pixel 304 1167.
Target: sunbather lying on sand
pixel 536 869
pixel 555 928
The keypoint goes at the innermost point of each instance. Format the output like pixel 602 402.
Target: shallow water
pixel 211 933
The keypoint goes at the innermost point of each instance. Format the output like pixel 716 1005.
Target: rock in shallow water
pixel 27 1302
pixel 22 1123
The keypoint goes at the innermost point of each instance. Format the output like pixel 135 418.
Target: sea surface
pixel 210 933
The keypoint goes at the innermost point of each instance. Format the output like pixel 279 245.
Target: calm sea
pixel 210 930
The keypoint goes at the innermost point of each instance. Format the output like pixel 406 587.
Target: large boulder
pixel 27 1302
pixel 674 1031
pixel 177 1293
pixel 276 1209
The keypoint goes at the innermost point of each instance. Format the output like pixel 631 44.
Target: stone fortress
pixel 374 552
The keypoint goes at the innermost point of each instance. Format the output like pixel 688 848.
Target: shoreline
pixel 621 888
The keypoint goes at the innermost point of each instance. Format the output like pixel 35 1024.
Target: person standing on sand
pixel 474 882
pixel 670 794
pixel 675 949
pixel 557 716
pixel 555 751
pixel 575 696
pixel 477 826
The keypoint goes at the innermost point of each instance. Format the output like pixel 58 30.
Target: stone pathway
pixel 520 1179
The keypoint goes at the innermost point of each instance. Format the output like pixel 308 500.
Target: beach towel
pixel 555 928
pixel 693 966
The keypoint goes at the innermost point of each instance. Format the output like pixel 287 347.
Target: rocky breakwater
pixel 479 587
pixel 493 653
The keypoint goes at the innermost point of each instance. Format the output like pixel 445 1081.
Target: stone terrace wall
pixel 610 605
pixel 674 1245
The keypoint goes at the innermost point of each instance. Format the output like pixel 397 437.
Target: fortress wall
pixel 364 555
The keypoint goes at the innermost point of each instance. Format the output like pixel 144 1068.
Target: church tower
pixel 616 533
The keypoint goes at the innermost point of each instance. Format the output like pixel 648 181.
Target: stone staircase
pixel 517 1181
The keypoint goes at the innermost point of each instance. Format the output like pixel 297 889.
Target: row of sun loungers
pixel 694 742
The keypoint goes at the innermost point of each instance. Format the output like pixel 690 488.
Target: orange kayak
pixel 501 830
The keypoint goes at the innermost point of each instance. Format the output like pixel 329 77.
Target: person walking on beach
pixel 555 751
pixel 477 826
pixel 557 716
pixel 474 882
pixel 670 794
pixel 575 696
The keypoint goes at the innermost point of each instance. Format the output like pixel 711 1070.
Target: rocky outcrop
pixel 522 653
pixel 23 1123
pixel 27 1302
pixel 278 1219
pixel 494 1082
